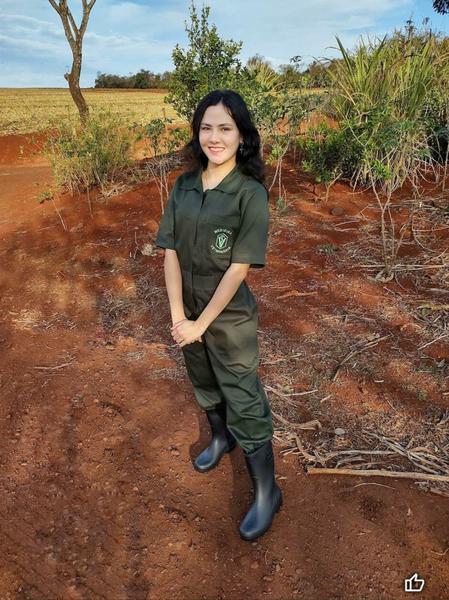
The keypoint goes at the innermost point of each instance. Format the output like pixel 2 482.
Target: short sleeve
pixel 250 245
pixel 166 235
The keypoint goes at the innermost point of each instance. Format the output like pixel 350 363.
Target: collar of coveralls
pixel 230 184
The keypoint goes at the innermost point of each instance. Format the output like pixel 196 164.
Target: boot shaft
pixel 217 422
pixel 260 465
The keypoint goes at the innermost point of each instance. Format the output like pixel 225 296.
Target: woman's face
pixel 219 135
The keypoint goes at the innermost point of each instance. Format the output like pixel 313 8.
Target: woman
pixel 214 228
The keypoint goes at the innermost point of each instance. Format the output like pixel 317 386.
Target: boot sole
pixel 207 469
pixel 255 537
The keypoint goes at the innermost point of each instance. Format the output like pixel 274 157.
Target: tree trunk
pixel 74 35
pixel 73 79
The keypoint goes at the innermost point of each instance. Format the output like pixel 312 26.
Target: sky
pixel 124 36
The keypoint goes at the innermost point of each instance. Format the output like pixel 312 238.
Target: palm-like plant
pixel 378 96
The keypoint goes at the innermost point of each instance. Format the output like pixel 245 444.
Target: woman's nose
pixel 214 136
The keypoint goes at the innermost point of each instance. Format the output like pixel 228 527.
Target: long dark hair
pixel 249 159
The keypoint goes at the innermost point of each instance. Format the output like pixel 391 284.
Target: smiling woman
pixel 219 139
pixel 214 228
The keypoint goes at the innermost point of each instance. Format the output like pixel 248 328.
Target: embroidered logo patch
pixel 221 240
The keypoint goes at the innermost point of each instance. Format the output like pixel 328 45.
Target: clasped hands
pixel 186 331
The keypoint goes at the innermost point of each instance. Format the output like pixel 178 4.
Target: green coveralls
pixel 210 230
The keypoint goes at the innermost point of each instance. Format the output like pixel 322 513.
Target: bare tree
pixel 75 36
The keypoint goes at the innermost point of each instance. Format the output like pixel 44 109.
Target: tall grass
pixel 378 93
pixel 436 113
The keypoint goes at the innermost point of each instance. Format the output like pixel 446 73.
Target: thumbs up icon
pixel 414 583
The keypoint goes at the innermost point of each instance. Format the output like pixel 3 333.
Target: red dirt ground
pixel 99 423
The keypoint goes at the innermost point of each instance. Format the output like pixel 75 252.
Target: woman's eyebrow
pixel 221 124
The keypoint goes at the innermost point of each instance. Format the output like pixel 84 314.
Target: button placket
pixel 196 255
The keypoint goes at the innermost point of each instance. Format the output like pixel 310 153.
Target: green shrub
pixel 96 154
pixel 162 142
pixel 435 115
pixel 328 154
pixel 161 138
pixel 378 95
pixel 208 63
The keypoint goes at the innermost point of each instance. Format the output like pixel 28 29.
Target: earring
pixel 241 147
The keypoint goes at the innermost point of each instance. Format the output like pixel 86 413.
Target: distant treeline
pixel 315 75
pixel 142 80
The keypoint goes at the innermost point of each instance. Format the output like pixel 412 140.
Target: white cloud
pixel 124 36
pixel 32 21
pixel 286 28
pixel 25 46
pixel 107 48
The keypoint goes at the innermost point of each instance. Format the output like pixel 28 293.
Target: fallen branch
pixel 295 293
pixel 401 267
pixel 281 395
pixel 315 424
pixel 433 306
pixel 302 450
pixel 53 368
pixel 273 362
pixel 354 352
pixel 440 337
pixel 378 473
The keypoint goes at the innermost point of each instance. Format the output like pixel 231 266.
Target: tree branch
pixel 55 6
pixel 73 33
pixel 87 7
pixel 63 11
pixel 72 23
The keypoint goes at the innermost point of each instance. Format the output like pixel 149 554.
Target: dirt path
pixel 99 423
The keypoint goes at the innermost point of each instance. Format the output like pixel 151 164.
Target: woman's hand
pixel 185 319
pixel 185 332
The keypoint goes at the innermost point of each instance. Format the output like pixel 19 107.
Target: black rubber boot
pixel 222 440
pixel 267 494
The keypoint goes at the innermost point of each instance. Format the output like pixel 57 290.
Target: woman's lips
pixel 216 149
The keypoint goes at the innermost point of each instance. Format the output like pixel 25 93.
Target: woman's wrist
pixel 177 317
pixel 201 327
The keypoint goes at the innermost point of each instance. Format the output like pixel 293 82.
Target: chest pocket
pixel 221 232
